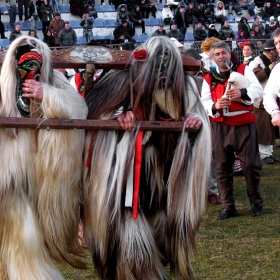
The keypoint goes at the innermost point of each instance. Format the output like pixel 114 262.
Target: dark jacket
pixel 67 37
pixel 199 34
pixel 44 16
pixel 267 12
pixel 157 33
pixel 76 7
pixel 226 32
pixel 14 34
pixel 213 33
pixel 119 30
pixel 244 26
pixel 31 10
pixel 87 23
pixel 276 12
pixel 49 40
pixel 122 15
pixel 136 15
pixel 176 34
pixel 181 20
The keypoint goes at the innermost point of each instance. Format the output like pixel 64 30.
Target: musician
pixel 233 128
pixel 262 66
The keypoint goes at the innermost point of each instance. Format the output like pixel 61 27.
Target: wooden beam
pixel 49 124
pixel 101 57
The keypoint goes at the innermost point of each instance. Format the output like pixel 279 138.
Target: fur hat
pixel 269 45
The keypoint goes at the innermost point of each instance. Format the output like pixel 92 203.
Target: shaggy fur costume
pixel 174 171
pixel 40 180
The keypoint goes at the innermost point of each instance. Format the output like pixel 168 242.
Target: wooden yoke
pixel 101 57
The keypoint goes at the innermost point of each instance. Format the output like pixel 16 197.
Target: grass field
pixel 243 248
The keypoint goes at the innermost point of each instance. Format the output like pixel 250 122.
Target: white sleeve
pixel 254 90
pixel 272 91
pixel 207 101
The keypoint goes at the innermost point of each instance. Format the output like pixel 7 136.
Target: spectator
pixel 209 13
pixel 22 3
pixel 89 8
pixel 267 11
pixel 175 33
pixel 49 39
pixel 32 33
pixel 67 36
pixel 76 7
pixel 181 19
pixel 259 24
pixel 258 34
pixel 131 5
pixel 240 37
pixel 124 31
pixel 232 5
pixel 270 27
pixel 212 32
pixel 249 5
pixel 122 14
pixel 200 33
pixel 167 15
pixel 160 31
pixel 33 14
pixel 226 33
pixel 244 26
pixel 278 22
pixel 220 13
pixel 56 25
pixel 46 15
pixel 54 4
pixel 16 33
pixel 200 15
pixel 87 24
pixel 145 8
pixel 189 16
pixel 276 9
pixel 153 7
pixel 247 52
pixel 238 51
pixel 2 28
pixel 233 132
pixel 136 18
pixel 12 9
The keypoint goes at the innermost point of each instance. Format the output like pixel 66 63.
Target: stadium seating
pixel 110 23
pixel 64 9
pixel 75 24
pixel 4 43
pixel 99 23
pixel 25 25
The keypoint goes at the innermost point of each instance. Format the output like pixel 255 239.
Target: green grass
pixel 243 248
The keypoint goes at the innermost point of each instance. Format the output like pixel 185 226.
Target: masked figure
pixel 145 192
pixel 40 170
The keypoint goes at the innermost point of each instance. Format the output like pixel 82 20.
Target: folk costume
pixel 145 192
pixel 40 170
pixel 233 130
pixel 262 67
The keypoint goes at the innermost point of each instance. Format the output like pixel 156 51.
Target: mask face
pixel 29 62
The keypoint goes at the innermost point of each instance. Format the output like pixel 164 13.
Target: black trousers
pixel 243 140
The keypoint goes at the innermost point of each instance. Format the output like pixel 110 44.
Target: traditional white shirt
pixel 272 91
pixel 254 91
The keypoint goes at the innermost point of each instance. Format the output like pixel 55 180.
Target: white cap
pixel 211 25
pixel 176 43
pixel 278 18
pixel 272 17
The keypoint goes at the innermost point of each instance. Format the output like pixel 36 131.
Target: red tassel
pixel 137 173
